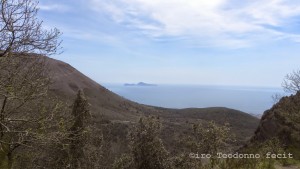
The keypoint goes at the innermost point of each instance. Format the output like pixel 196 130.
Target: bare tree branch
pixel 291 82
pixel 21 31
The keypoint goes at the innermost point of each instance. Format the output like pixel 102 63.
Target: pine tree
pixel 78 136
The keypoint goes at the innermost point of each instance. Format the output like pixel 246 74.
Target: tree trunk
pixel 2 116
pixel 9 160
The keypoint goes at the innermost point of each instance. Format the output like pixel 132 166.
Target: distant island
pixel 139 84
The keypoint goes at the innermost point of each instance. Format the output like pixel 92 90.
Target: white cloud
pixel 89 35
pixel 214 21
pixel 53 7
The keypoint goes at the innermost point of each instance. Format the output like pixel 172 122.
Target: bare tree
pixel 24 114
pixel 21 31
pixel 276 97
pixel 25 111
pixel 291 82
pixel 20 88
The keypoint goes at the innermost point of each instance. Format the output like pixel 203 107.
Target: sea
pixel 252 100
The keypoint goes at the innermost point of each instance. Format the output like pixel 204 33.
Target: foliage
pixel 146 148
pixel 24 114
pixel 124 162
pixel 208 139
pixel 273 146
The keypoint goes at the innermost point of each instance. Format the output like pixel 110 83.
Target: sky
pixel 203 42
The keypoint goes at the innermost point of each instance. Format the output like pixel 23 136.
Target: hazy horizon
pixel 252 100
pixel 185 84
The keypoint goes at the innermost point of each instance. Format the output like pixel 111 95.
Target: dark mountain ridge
pixel 282 121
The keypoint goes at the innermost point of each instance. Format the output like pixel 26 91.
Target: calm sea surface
pixel 253 100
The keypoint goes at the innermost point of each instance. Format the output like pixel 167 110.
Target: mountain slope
pixel 67 81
